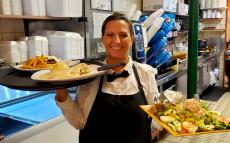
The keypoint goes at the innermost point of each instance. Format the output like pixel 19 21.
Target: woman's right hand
pixel 61 95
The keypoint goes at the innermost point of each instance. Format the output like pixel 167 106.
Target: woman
pixel 108 111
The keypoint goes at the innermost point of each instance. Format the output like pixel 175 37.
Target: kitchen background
pixel 13 29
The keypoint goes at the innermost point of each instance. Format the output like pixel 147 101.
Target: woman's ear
pixel 132 39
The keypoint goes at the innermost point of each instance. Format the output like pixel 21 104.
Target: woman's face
pixel 117 39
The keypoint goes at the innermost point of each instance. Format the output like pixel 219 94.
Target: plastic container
pixel 5 7
pixel 169 20
pixel 23 50
pixel 151 56
pixel 9 51
pixel 159 35
pixel 16 7
pixel 154 27
pixel 155 50
pixel 66 45
pixel 64 8
pixel 131 10
pixel 38 46
pixel 158 45
pixel 149 21
pixel 136 15
pixel 142 18
pixel 164 60
pixel 34 7
pixel 161 57
pixel 154 60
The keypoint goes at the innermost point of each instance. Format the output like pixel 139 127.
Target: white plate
pixel 18 67
pixel 93 73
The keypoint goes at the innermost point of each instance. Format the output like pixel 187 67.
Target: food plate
pixel 93 73
pixel 21 80
pixel 18 67
pixel 147 109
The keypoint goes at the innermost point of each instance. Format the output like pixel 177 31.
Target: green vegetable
pixel 167 119
pixel 177 125
pixel 204 127
pixel 220 125
pixel 172 126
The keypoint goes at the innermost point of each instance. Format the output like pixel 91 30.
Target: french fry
pixel 39 62
pixel 26 67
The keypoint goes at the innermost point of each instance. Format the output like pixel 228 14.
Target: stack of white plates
pixel 34 7
pixel 23 50
pixel 9 51
pixel 5 7
pixel 64 8
pixel 37 46
pixel 16 7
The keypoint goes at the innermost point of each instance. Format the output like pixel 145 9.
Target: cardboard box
pixel 167 5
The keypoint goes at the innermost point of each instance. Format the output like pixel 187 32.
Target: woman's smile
pixel 116 47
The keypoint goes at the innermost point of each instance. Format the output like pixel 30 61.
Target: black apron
pixel 117 118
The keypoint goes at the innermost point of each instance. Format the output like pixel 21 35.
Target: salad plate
pixel 179 124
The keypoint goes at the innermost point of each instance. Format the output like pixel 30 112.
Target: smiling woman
pixel 108 109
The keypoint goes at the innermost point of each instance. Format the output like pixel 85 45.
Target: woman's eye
pixel 109 35
pixel 124 36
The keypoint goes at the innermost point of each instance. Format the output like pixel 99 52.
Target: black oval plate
pixel 22 80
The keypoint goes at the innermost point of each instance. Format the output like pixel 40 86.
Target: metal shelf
pixel 32 17
pixel 211 19
pixel 213 30
pixel 215 8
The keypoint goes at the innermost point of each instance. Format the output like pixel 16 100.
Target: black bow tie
pixel 112 77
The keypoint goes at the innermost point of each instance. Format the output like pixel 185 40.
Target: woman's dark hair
pixel 117 16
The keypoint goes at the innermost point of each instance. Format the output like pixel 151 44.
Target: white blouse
pixel 76 111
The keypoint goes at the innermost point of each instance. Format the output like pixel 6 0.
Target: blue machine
pixel 138 49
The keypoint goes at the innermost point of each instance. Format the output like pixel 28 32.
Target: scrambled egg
pixel 62 71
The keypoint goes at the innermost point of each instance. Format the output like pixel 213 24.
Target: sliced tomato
pixel 192 128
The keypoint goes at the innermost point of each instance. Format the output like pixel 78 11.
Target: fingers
pixel 61 95
pixel 155 134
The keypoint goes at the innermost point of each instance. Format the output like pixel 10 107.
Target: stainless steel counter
pixel 169 76
pixel 164 78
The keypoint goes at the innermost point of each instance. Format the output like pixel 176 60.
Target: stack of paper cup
pixel 154 28
pixel 131 11
pixel 5 7
pixel 9 51
pixel 136 15
pixel 202 4
pixel 16 7
pixel 38 46
pixel 23 50
pixel 149 21
pixel 34 7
